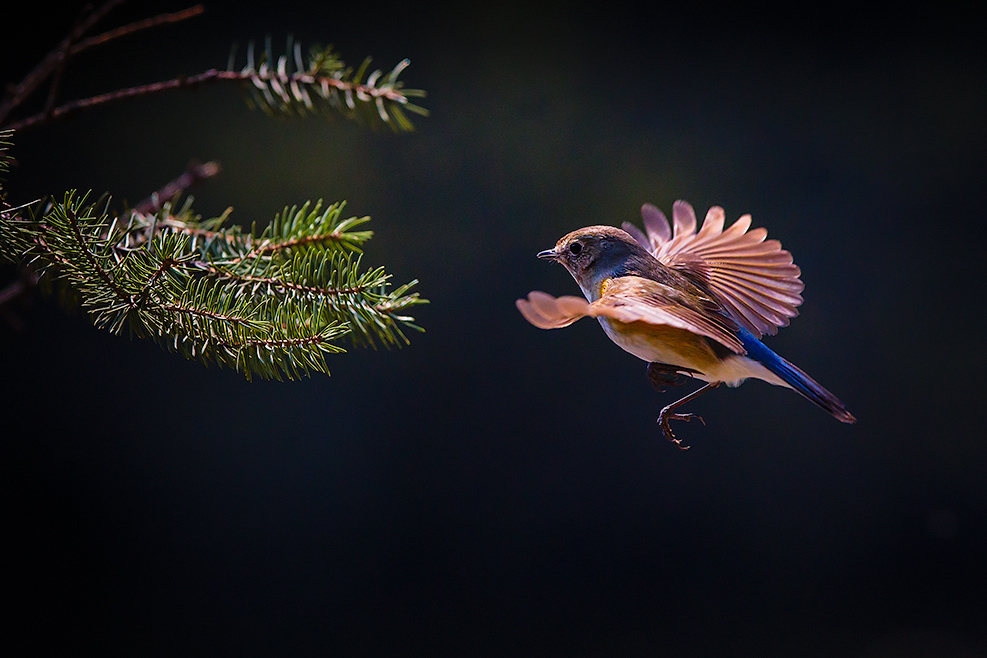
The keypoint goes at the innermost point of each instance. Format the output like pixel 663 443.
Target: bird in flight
pixel 689 302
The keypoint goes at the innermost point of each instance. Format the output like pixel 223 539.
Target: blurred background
pixel 494 489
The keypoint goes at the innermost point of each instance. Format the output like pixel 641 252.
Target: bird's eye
pixel 575 248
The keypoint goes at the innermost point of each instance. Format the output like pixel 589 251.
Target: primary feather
pixel 753 278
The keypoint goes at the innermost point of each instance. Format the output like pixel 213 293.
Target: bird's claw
pixel 667 415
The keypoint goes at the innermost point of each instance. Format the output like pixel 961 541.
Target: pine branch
pixel 325 87
pixel 270 305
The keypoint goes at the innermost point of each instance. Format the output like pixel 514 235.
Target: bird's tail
pixel 795 377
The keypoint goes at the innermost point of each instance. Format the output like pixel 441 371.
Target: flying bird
pixel 693 303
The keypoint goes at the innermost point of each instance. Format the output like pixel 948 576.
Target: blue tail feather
pixel 794 377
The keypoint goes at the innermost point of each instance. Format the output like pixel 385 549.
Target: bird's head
pixel 596 253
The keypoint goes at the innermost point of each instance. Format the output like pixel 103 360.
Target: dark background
pixel 494 489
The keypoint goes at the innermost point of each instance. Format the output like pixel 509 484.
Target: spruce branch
pixel 269 304
pixel 325 86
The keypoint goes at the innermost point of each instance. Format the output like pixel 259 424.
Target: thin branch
pixel 145 24
pixel 52 61
pixel 212 75
pixel 56 79
pixel 106 37
pixel 27 281
pixel 194 173
pixel 122 94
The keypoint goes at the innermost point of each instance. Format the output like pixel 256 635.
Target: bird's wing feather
pixel 753 278
pixel 627 299
pixel 636 299
pixel 547 312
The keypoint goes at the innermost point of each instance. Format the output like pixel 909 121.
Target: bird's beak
pixel 548 253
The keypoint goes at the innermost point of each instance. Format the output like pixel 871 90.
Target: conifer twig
pixel 192 81
pixel 195 173
pixel 83 245
pixel 268 303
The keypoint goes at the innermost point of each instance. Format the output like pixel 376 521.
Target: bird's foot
pixel 666 415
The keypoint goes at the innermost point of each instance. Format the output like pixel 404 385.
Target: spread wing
pixel 628 299
pixel 753 278
pixel 547 312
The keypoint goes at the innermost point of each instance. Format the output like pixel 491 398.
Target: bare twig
pixel 121 94
pixel 108 36
pixel 27 280
pixel 147 23
pixel 52 61
pixel 56 80
pixel 194 173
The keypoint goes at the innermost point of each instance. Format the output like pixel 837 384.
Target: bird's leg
pixel 663 376
pixel 668 413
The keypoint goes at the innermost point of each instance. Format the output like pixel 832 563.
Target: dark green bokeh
pixel 494 487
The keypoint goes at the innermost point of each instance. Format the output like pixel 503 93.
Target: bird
pixel 690 302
